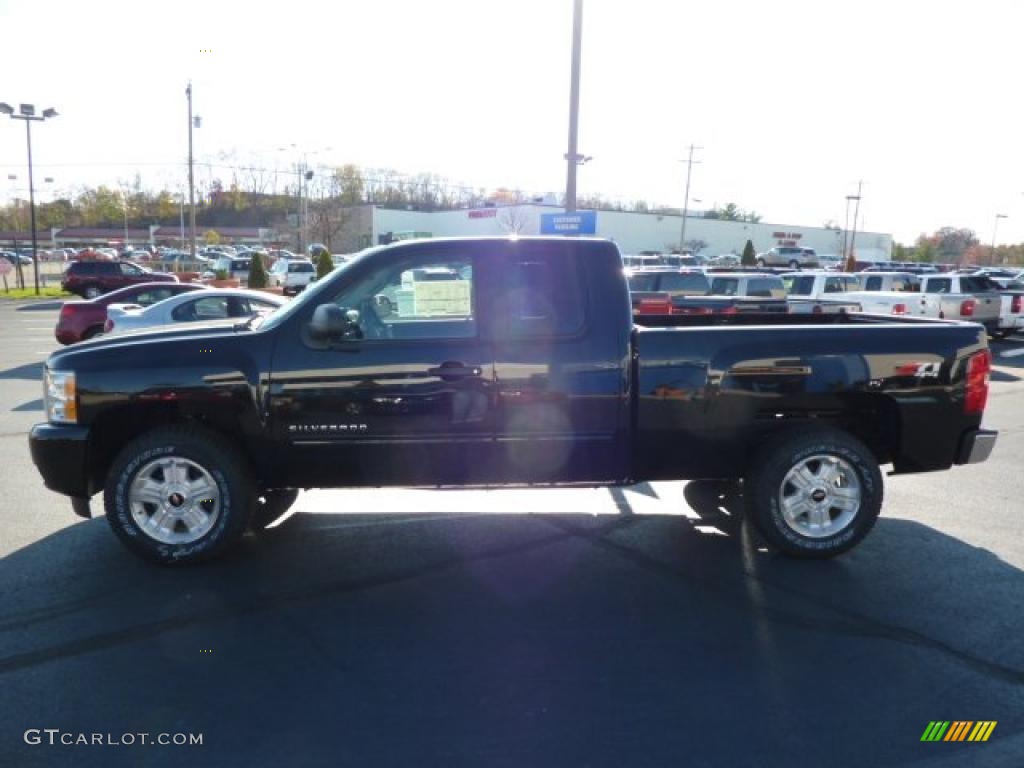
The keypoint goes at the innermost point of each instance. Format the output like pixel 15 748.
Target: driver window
pixel 430 297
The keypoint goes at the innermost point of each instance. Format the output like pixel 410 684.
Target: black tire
pixel 794 265
pixel 224 464
pixel 91 292
pixel 761 263
pixel 1003 334
pixel 269 506
pixel 766 484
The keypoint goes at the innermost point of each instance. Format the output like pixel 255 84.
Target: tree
pixel 946 244
pixel 732 212
pixel 257 272
pixel 695 246
pixel 324 265
pixel 212 237
pixel 749 258
pixel 513 220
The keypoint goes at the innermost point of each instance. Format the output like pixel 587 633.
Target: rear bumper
pixel 976 446
pixel 60 453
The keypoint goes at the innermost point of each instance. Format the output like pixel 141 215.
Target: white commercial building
pixel 633 232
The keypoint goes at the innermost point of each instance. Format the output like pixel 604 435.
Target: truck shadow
pixel 29 371
pixel 532 639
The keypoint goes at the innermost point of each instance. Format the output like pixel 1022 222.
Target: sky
pixel 791 102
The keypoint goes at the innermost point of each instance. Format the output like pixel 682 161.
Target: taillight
pixel 978 369
pixel 1015 303
pixel 108 326
pixel 654 307
pixel 731 310
pixel 899 309
pixel 967 308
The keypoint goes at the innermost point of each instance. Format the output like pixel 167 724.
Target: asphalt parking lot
pixel 626 627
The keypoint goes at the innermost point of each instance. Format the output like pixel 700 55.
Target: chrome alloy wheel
pixel 174 500
pixel 820 496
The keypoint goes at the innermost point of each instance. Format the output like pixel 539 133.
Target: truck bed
pixel 706 397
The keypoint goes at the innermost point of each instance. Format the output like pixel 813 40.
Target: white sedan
pixel 196 307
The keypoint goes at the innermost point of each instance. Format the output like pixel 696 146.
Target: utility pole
pixel 572 157
pixel 191 181
pixel 686 198
pixel 853 234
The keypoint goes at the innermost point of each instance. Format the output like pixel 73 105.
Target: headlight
pixel 60 396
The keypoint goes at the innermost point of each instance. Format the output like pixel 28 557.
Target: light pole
pixel 848 260
pixel 573 158
pixel 304 175
pixel 27 112
pixel 192 122
pixel 686 199
pixel 124 204
pixel 995 228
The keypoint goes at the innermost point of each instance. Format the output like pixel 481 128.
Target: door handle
pixel 450 371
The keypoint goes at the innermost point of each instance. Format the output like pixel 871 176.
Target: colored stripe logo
pixel 958 730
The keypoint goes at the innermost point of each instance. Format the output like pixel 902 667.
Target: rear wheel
pixel 179 494
pixel 91 291
pixel 761 263
pixel 794 264
pixel 814 493
pixel 1002 334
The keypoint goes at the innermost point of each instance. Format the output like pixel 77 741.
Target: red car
pixel 81 320
pixel 91 278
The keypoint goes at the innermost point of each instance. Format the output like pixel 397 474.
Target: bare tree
pixel 514 220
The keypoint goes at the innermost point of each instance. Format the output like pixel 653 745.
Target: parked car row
pixel 950 296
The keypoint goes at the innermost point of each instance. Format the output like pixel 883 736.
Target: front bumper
pixel 61 453
pixel 976 446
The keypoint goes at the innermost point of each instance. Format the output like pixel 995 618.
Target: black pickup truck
pixel 481 362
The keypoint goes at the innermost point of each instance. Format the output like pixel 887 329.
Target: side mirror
pixel 328 322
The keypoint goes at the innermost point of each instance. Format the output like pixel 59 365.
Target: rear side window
pixel 107 268
pixel 694 284
pixel 643 282
pixel 939 285
pixel 724 286
pixel 152 296
pixel 874 283
pixel 798 285
pixel 978 284
pixel 539 295
pixel 84 268
pixel 766 288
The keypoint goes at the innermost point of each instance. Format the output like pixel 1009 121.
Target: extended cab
pixel 521 366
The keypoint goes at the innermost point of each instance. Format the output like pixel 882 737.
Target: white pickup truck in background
pixel 1011 308
pixel 942 295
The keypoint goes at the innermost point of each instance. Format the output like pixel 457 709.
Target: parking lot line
pixel 1012 353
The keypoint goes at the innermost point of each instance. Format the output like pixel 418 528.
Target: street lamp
pixel 27 112
pixel 995 228
pixel 305 175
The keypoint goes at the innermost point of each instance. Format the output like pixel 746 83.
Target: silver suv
pixel 788 256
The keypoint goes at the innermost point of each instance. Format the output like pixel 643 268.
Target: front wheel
pixel 814 493
pixel 179 494
pixel 794 264
pixel 761 263
pixel 91 292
